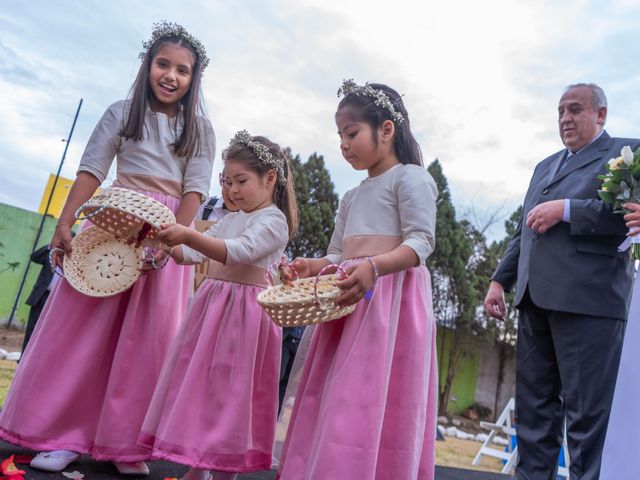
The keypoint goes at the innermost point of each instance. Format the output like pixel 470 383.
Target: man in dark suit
pixel 38 296
pixel 573 288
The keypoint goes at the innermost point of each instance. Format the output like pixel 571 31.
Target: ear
pixel 270 177
pixel 602 115
pixel 386 131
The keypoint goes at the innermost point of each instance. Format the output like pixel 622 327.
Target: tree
pixel 502 333
pixel 453 283
pixel 317 205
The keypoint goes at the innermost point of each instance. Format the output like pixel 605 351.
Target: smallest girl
pixel 215 405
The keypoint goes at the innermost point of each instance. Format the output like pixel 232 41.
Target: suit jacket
pixel 573 267
pixel 41 257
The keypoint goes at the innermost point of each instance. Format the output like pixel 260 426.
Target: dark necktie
pixel 563 163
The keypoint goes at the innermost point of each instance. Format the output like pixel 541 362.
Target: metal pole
pixel 44 216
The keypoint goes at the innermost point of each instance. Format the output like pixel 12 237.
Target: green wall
pixel 18 229
pixel 466 378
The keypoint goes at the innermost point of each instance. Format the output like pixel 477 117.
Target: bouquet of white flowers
pixel 620 185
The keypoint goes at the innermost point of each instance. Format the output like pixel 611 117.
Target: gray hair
pixel 599 98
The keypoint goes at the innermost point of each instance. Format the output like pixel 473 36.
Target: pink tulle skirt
pixel 88 374
pixel 216 402
pixel 366 404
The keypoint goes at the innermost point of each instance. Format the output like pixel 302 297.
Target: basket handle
pixel 283 262
pixel 78 213
pixel 321 272
pixel 150 254
pixel 54 268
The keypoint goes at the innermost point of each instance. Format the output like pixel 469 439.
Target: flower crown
pixel 262 152
pixel 164 29
pixel 349 87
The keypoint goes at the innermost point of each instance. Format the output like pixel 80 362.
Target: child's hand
pixel 173 235
pixel 61 239
pixel 302 268
pixel 360 279
pixel 159 257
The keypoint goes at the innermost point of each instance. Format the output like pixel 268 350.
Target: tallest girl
pixel 89 372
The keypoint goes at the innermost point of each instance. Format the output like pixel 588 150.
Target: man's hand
pixel 494 301
pixel 545 215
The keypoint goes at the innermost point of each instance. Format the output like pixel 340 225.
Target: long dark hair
pixel 284 196
pixel 363 108
pixel 188 143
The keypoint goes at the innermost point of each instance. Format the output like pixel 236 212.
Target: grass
pixel 458 453
pixel 7 369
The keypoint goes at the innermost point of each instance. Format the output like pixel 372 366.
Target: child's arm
pixel 362 277
pixel 184 216
pixel 210 247
pixel 305 267
pixel 188 208
pixel 417 194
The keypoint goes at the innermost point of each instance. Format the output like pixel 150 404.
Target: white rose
pixel 614 163
pixel 627 155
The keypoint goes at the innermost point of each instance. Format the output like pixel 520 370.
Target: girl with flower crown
pixel 215 405
pixel 365 406
pixel 90 369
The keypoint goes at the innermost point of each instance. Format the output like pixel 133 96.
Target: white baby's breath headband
pixel 349 87
pixel 164 29
pixel 262 152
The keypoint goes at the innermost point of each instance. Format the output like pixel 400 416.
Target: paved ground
pixel 160 470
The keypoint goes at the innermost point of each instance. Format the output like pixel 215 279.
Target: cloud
pixel 481 91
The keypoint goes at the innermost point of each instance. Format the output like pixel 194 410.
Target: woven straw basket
pixel 101 265
pixel 126 214
pixel 304 302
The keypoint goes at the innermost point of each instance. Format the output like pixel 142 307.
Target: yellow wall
pixel 63 186
pixel 59 196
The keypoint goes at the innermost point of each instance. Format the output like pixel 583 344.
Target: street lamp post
pixel 44 216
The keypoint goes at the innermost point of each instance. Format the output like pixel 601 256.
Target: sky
pixel 481 80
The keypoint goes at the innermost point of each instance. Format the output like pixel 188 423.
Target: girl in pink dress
pixel 90 369
pixel 215 405
pixel 365 406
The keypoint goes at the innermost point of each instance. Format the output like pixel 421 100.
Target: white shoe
pixel 55 461
pixel 132 468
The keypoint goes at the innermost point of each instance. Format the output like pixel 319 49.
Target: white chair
pixel 504 424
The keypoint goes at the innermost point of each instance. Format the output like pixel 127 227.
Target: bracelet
pixel 369 293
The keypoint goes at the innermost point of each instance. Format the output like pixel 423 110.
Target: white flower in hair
pixel 262 152
pixel 349 87
pixel 164 29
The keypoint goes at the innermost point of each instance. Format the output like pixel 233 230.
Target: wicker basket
pixel 126 214
pixel 101 265
pixel 304 302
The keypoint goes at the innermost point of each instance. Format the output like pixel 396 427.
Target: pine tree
pixel 317 205
pixel 453 280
